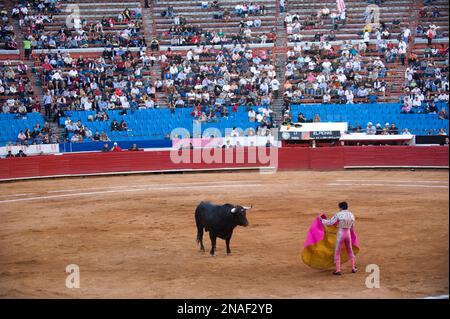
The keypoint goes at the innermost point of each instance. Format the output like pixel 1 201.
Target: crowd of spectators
pixel 426 87
pixel 16 91
pixel 426 81
pixel 40 25
pixel 378 129
pixel 119 79
pixel 427 27
pixel 333 74
pixel 8 39
pixel 182 32
pixel 36 135
pixel 343 72
pixel 295 25
pixel 212 80
pixel 77 132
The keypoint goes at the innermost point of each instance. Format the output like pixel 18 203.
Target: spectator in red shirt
pixel 431 33
pixel 116 148
pixel 443 50
pixel 195 40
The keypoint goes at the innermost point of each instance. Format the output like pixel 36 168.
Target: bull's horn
pixel 233 210
pixel 247 208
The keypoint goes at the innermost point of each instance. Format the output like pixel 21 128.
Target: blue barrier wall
pixel 97 146
pixel 157 123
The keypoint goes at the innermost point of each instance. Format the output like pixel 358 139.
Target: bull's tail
pixel 199 229
pixel 199 225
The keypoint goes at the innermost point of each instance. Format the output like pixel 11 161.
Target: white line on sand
pixel 16 195
pixel 125 190
pixel 390 181
pixel 147 185
pixel 387 185
pixel 86 189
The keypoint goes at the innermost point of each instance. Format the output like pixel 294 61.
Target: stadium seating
pixel 208 67
pixel 435 12
pixel 8 35
pixel 12 124
pixel 204 18
pixel 11 76
pixel 157 123
pixel 85 69
pixel 361 114
pixel 90 13
pixel 352 31
pixel 389 10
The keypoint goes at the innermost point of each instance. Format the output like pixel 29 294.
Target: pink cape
pixel 318 249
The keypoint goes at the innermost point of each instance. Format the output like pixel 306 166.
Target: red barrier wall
pixel 330 158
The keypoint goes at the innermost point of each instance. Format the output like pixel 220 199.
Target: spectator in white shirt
pixel 370 129
pixel 251 115
pixel 326 98
pixel 275 84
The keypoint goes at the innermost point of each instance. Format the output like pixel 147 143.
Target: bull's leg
pixel 228 245
pixel 212 236
pixel 200 238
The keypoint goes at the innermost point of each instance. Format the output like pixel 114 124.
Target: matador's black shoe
pixel 354 270
pixel 337 273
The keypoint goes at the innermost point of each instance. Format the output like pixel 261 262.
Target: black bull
pixel 219 221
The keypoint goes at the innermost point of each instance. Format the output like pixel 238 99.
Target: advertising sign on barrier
pixel 325 135
pixel 287 136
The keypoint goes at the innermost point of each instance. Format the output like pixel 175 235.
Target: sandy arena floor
pixel 134 236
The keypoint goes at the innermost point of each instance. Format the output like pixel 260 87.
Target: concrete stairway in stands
pixel 280 62
pixel 148 18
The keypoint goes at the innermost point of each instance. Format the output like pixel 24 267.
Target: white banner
pixel 363 137
pixel 31 149
pixel 244 141
pixel 316 127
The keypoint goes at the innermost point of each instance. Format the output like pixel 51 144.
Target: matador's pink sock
pixel 338 264
pixel 353 262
